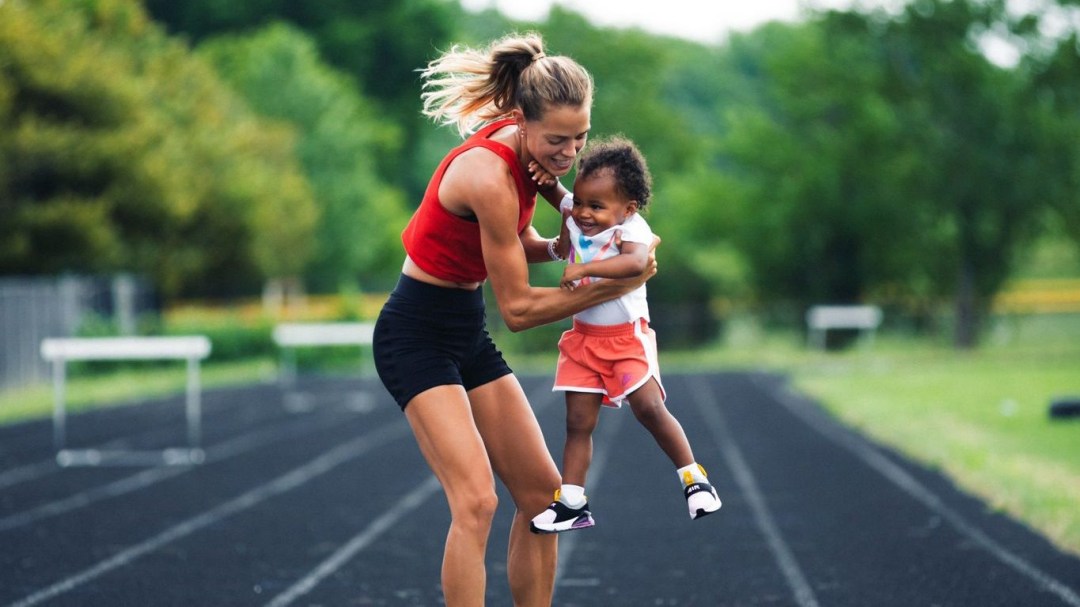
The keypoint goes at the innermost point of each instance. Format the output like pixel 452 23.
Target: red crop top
pixel 447 246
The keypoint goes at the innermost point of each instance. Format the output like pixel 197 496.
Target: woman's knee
pixel 475 509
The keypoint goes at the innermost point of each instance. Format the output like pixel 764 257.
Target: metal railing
pixel 35 308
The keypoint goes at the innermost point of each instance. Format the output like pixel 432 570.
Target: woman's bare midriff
pixel 414 271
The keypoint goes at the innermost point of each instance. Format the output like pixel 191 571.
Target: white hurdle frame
pixel 820 319
pixel 289 336
pixel 190 348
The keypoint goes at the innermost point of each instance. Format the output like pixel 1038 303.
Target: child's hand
pixel 542 178
pixel 571 274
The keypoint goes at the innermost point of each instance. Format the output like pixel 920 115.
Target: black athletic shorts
pixel 428 336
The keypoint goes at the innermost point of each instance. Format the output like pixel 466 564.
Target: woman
pixel 467 410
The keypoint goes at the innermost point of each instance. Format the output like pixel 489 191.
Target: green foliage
pixel 380 44
pixel 1056 91
pixel 278 70
pixel 815 166
pixel 122 152
pixel 234 339
pixel 854 156
pixel 866 128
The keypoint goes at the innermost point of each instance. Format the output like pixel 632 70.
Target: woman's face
pixel 555 140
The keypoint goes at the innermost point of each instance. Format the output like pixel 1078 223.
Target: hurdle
pixel 289 336
pixel 820 319
pixel 59 351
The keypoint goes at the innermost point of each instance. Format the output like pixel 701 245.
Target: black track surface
pixel 318 496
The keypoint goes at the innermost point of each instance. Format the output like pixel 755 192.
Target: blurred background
pixel 215 167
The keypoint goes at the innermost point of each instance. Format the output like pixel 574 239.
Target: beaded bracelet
pixel 551 249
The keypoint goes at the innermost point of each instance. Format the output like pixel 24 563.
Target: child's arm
pixel 631 261
pixel 562 242
pixel 547 185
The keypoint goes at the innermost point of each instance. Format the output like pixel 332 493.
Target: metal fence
pixel 32 309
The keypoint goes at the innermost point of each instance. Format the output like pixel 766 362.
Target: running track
pixel 318 496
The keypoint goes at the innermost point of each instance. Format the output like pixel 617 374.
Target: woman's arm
pixel 535 245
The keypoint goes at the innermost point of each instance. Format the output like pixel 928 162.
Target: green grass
pixel 129 383
pixel 980 418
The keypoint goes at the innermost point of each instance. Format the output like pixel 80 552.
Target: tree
pixel 817 166
pixel 887 155
pixel 980 132
pixel 378 43
pixel 1056 90
pixel 278 70
pixel 122 152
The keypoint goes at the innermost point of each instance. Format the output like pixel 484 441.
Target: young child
pixel 609 356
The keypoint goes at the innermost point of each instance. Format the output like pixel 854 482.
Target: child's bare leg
pixel 582 414
pixel 570 510
pixel 647 403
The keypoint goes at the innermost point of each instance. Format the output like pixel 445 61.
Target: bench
pixel 820 319
pixel 59 351
pixel 289 336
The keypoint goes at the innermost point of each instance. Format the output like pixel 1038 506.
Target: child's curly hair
pixel 627 165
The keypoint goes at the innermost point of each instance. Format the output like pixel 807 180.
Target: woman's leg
pixel 647 403
pixel 582 413
pixel 442 420
pixel 521 459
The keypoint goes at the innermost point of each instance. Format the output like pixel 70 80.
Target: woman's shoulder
pixel 479 167
pixel 477 176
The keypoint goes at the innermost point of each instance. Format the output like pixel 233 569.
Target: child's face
pixel 598 205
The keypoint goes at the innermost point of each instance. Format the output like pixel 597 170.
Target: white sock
pixel 691 474
pixel 572 495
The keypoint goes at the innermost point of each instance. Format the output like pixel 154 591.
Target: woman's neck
pixel 508 136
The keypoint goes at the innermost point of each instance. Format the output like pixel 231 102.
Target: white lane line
pixel 342 555
pixel 29 472
pixel 568 541
pixel 46 467
pixel 42 468
pixel 146 478
pixel 384 523
pixel 878 462
pixel 744 476
pixel 282 484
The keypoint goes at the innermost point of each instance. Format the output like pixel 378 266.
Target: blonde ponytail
pixel 468 88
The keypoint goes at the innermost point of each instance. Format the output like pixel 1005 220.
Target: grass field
pixel 980 417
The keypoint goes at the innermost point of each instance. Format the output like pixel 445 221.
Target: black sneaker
pixel 559 517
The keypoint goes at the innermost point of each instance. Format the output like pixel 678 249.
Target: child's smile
pixel 598 204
